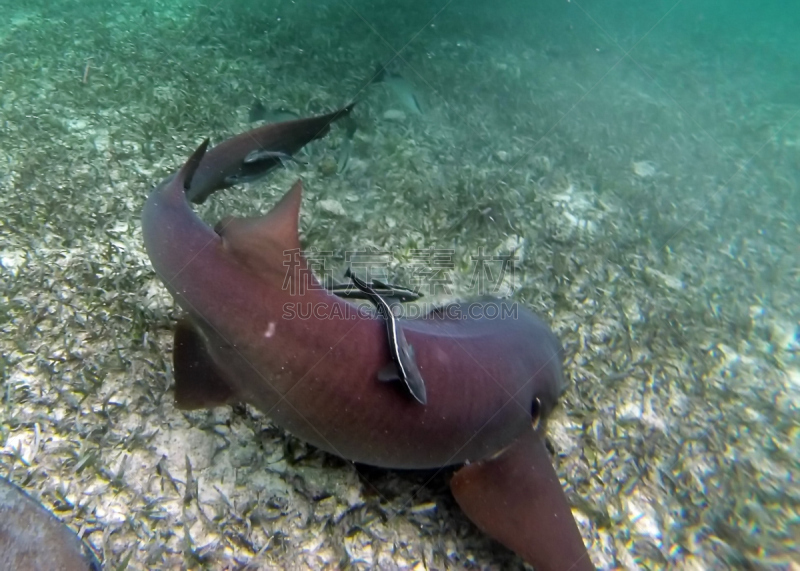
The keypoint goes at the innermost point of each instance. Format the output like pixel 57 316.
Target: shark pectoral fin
pixel 517 499
pixel 263 243
pixel 198 384
pixel 389 373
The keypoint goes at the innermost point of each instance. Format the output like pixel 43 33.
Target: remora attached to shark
pixel 491 383
pixel 403 363
pixel 252 154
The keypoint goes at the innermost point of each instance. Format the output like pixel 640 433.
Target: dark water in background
pixel 646 153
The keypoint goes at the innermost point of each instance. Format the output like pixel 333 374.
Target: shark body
pixel 262 330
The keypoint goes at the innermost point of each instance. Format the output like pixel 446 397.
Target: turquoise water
pixel 640 159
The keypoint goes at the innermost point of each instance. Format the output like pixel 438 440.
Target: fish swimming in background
pixel 33 539
pixel 258 112
pixel 346 147
pixel 261 330
pixel 252 154
pixel 403 364
pixel 401 88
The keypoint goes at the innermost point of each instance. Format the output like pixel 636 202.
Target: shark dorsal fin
pixel 261 243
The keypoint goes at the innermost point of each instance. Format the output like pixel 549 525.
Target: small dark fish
pixel 257 112
pixel 403 366
pixel 345 150
pixel 281 114
pixel 260 113
pixel 260 155
pixel 346 147
pixel 390 292
pixel 402 89
pixel 32 538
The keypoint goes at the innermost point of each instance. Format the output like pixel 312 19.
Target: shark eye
pixel 536 412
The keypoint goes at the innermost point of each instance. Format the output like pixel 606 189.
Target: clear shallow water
pixel 642 160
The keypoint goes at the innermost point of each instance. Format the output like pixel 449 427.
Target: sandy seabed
pixel 650 201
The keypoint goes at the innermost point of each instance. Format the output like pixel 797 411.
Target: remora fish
pixel 252 154
pixel 393 294
pixel 258 332
pixel 403 366
pixel 32 538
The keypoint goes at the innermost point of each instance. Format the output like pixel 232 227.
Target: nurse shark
pixel 490 382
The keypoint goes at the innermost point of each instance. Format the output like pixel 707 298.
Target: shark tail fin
pixel 186 174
